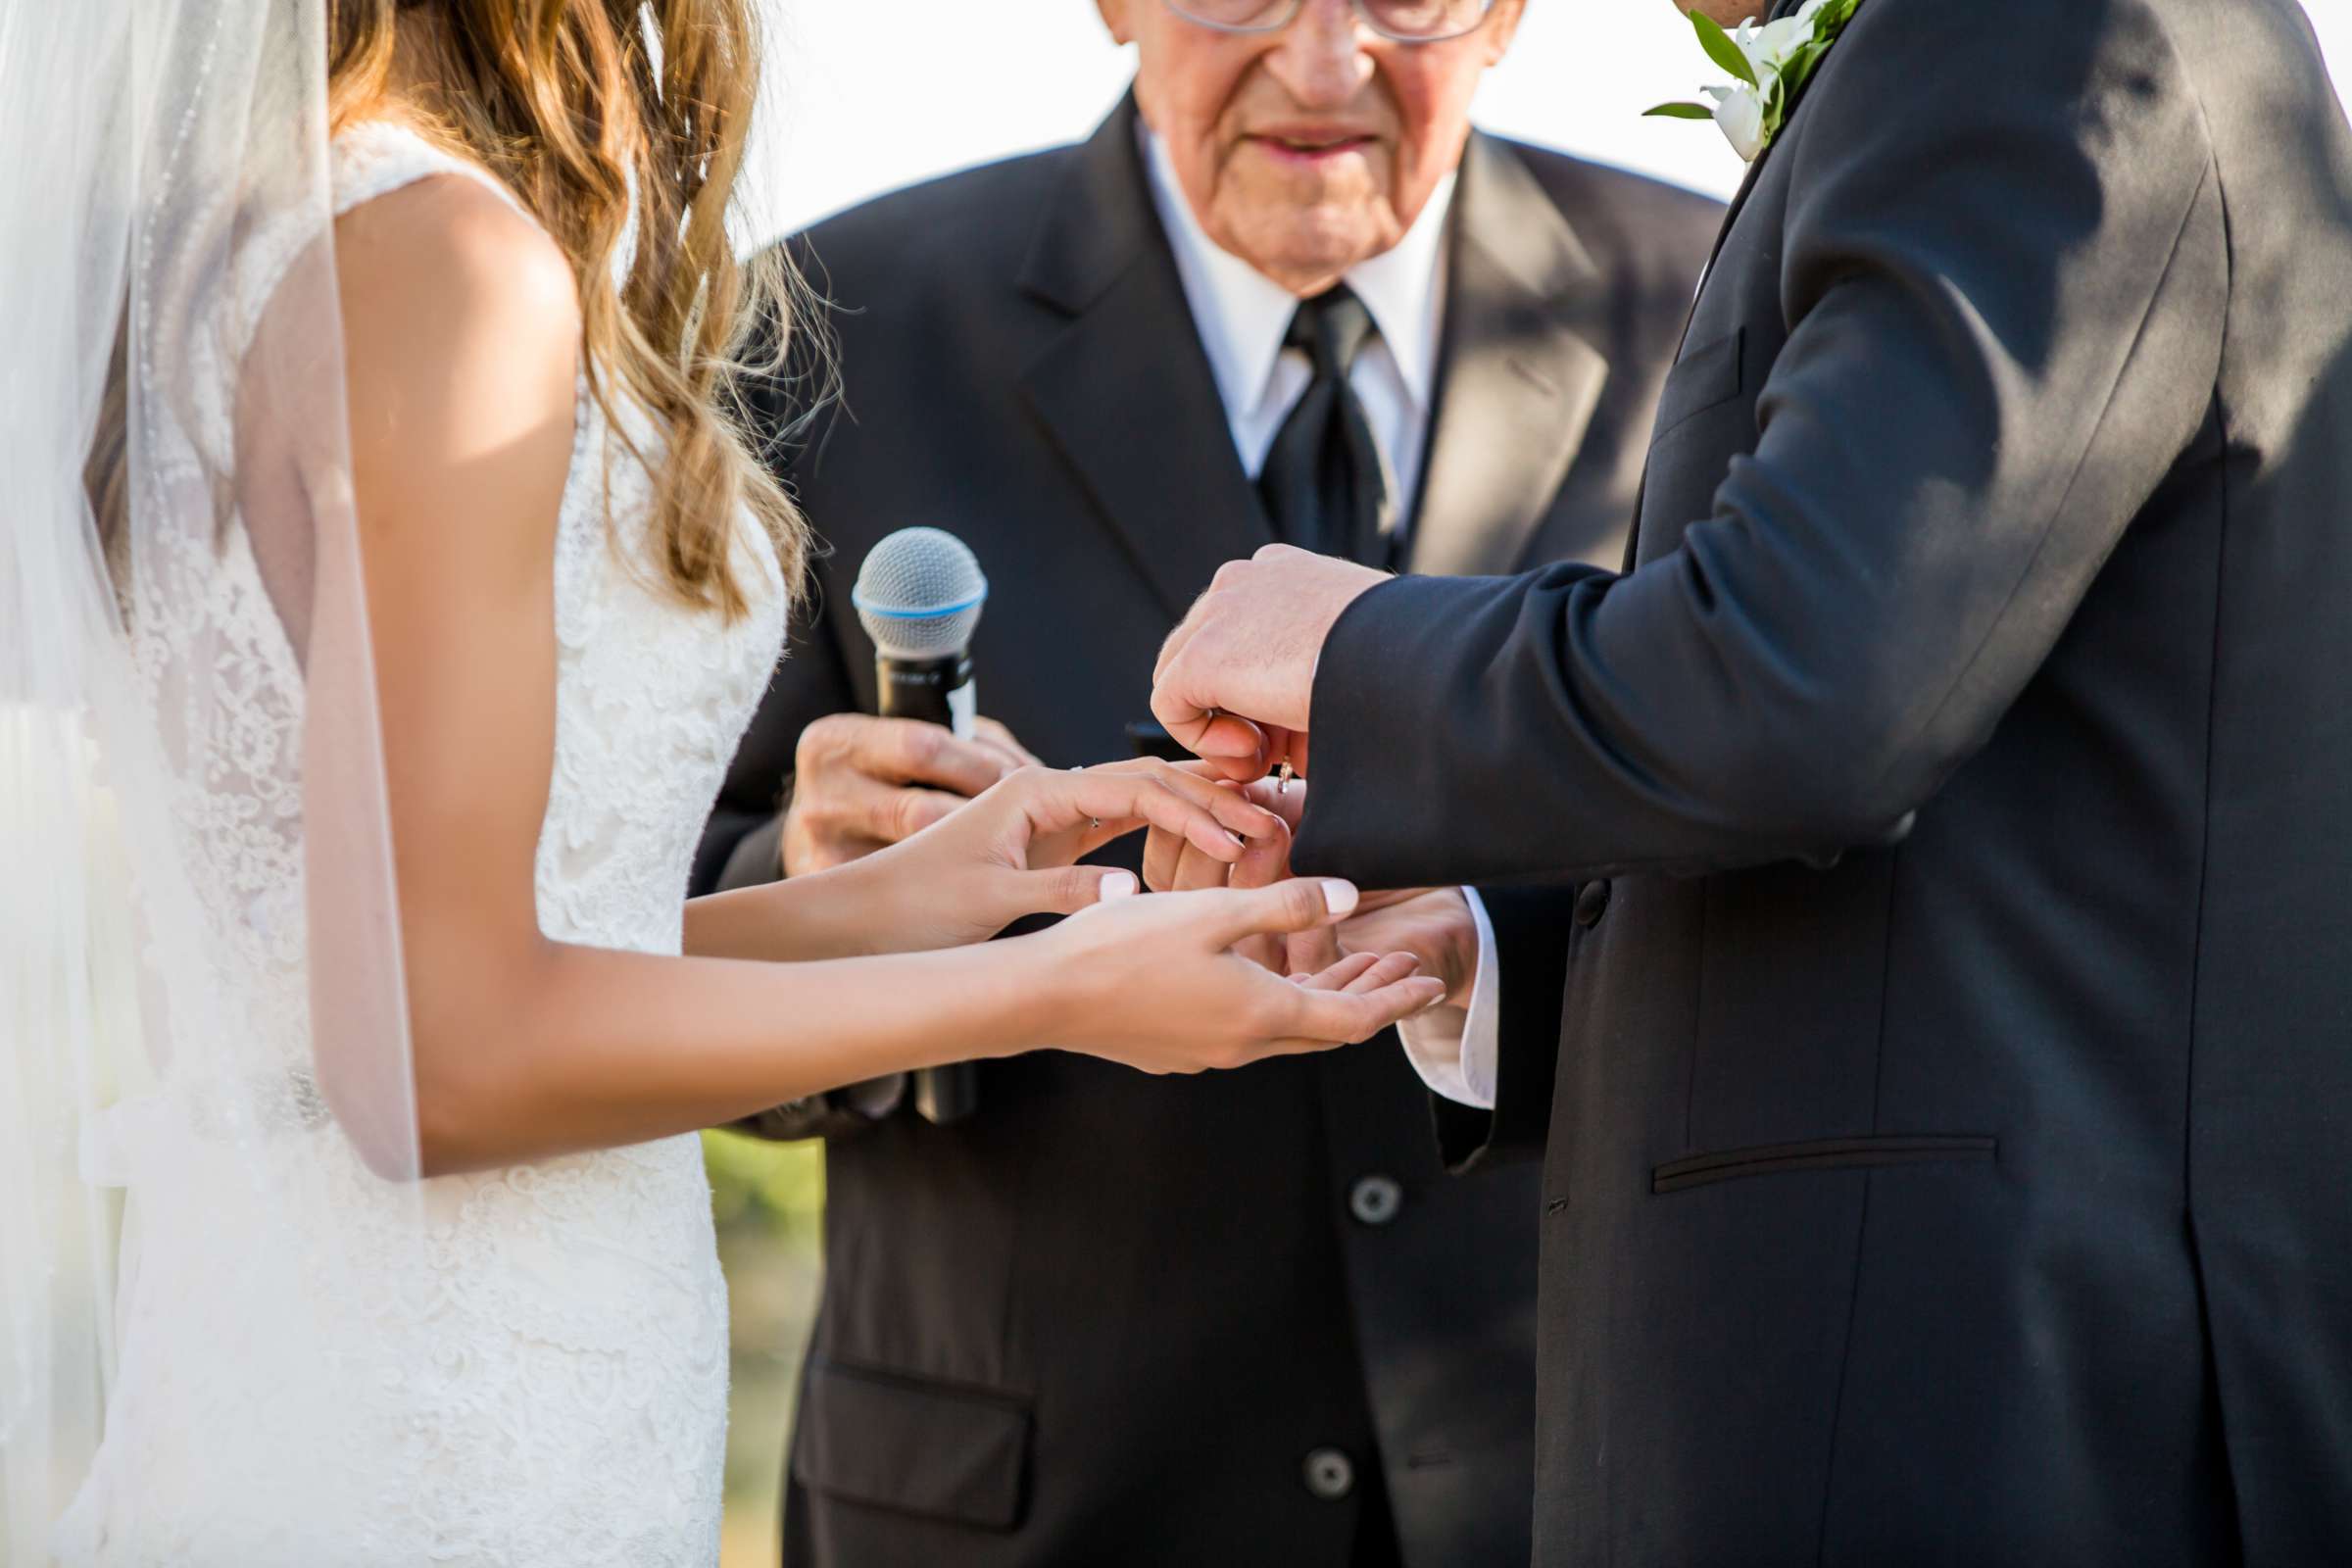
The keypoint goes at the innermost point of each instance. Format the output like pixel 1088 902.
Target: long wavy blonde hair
pixel 590 110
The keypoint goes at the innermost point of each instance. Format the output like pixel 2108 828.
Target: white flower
pixel 1767 48
pixel 1740 116
pixel 1772 64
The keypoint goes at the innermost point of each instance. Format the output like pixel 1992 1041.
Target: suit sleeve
pixel 2003 273
pixel 1531 951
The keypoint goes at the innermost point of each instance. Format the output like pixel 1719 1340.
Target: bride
pixel 388 577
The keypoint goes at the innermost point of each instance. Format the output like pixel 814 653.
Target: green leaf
pixel 1721 49
pixel 1681 112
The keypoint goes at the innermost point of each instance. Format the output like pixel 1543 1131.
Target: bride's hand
pixel 1171 864
pixel 1157 983
pixel 1012 851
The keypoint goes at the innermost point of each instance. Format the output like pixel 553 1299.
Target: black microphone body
pixel 936 691
pixel 919 596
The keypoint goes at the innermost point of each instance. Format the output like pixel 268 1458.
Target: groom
pixel 1939 1010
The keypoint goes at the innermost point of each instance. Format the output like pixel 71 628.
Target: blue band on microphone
pixel 889 613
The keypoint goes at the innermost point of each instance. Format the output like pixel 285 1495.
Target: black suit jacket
pixel 1109 1318
pixel 1948 1121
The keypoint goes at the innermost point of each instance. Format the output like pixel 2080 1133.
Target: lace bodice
pixel 560 1348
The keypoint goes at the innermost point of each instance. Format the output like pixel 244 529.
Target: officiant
pixel 1284 292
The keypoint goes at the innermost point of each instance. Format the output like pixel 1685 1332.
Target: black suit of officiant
pixel 1114 1319
pixel 1951 1117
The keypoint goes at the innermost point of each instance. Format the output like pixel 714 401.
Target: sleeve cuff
pixel 1454 1050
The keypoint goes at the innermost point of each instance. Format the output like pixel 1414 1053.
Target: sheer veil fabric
pixel 207 1077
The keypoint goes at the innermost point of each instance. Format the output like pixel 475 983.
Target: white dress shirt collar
pixel 1243 314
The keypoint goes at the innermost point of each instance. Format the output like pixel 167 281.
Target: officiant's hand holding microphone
pixel 861 783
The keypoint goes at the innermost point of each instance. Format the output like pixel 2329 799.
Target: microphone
pixel 919 595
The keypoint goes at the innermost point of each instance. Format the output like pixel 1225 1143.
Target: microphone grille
pixel 919 594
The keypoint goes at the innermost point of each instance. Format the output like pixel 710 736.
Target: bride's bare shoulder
pixel 462 338
pixel 443 272
pixel 449 238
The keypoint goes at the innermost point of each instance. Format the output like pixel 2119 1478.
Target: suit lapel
pixel 1125 389
pixel 1731 217
pixel 1521 374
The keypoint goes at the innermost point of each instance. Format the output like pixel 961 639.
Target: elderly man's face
pixel 1307 149
pixel 1730 13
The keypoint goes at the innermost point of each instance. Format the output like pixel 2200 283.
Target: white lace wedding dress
pixel 547 1382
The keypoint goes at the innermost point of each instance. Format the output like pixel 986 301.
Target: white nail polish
pixel 1338 897
pixel 1116 885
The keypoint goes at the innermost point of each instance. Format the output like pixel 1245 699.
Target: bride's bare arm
pixel 461 332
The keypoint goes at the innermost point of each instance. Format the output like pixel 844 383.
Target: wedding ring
pixel 1283 778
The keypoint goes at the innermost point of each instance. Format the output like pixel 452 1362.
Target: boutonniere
pixel 1769 64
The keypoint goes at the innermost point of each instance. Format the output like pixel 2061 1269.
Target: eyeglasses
pixel 1402 20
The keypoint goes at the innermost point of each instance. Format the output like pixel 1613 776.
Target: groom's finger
pixel 1232 746
pixel 1351 1017
pixel 1230 743
pixel 1386 971
pixel 1344 974
pixel 1317 1020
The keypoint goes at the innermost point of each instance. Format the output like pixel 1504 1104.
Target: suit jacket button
pixel 1375 1199
pixel 1329 1474
pixel 1590 903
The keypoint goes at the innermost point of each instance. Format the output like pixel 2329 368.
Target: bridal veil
pixel 206 1067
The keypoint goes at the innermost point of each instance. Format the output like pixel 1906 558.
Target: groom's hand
pixel 1235 679
pixel 1434 925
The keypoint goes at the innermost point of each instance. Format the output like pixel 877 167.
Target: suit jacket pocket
pixel 944 1450
pixel 1820 1154
pixel 1701 379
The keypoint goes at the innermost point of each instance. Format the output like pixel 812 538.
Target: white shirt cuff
pixel 1454 1050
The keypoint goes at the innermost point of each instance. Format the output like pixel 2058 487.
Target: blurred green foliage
pixel 754 1183
pixel 769 1201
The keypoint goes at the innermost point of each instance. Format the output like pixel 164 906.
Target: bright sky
pixel 867 95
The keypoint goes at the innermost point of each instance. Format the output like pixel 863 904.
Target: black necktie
pixel 1322 483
